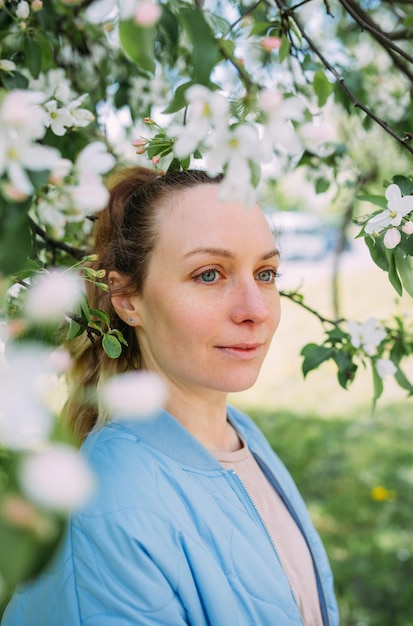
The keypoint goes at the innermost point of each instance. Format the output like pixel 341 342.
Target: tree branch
pixel 402 140
pixel 296 297
pixel 76 253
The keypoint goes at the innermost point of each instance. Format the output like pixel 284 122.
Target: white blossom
pixel 58 118
pixel 102 10
pixel 278 113
pixel 237 144
pixel 207 109
pixel 88 196
pixel 57 478
pixel 397 207
pixel 23 10
pixel 95 158
pixel 366 336
pixel 236 185
pixel 21 124
pixel 21 114
pixel 385 368
pixel 136 394
pixel 52 295
pixel 392 238
pixel 24 417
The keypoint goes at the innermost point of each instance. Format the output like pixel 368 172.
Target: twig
pixel 76 253
pixel 296 297
pixel 343 85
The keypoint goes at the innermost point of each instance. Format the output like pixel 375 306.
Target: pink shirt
pixel 284 532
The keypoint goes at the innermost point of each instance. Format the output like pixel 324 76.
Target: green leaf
pixel 406 244
pixel 33 56
pixel 22 554
pixel 393 271
pixel 205 53
pixel 322 87
pixel 15 238
pixel 111 346
pixel 404 265
pixel 138 44
pixel 260 28
pixel 102 315
pixel 314 355
pixel 378 253
pixel 346 368
pixel 178 101
pixel 74 330
pixel 377 200
pixel 321 185
pixel 377 386
pixel 405 184
pixel 284 48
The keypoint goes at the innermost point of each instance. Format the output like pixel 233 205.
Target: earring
pixel 131 321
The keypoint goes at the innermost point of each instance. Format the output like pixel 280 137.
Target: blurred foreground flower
pixel 56 478
pixel 52 295
pixel 135 394
pixel 24 418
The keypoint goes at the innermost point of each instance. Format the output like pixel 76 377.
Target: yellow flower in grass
pixel 381 494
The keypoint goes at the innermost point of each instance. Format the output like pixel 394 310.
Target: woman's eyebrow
pixel 213 251
pixel 227 254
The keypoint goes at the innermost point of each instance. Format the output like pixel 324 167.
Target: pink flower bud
pixel 407 228
pixel 155 160
pixel 392 238
pixel 138 142
pixel 37 5
pixel 147 14
pixel 270 43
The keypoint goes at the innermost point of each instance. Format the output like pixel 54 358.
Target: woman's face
pixel 209 306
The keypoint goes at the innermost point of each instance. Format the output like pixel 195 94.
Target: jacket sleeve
pixel 126 570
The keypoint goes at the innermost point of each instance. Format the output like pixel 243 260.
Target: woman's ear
pixel 123 302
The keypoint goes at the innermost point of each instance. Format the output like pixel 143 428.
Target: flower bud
pixel 147 14
pixel 7 66
pixel 407 228
pixel 270 43
pixel 156 159
pixel 37 5
pixel 392 238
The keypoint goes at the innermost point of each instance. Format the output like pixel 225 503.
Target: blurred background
pixel 353 467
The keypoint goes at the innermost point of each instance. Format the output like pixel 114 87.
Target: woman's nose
pixel 251 303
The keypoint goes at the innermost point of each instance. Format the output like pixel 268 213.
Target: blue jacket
pixel 171 538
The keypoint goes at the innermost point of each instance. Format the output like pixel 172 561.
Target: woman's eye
pixel 267 276
pixel 209 276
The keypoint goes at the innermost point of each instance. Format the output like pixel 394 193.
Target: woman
pixel 196 521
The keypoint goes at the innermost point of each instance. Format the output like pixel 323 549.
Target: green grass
pixel 356 477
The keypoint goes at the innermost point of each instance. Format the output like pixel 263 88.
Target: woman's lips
pixel 242 351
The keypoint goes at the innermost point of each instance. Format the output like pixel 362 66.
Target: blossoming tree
pixel 244 87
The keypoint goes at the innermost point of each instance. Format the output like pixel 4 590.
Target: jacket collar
pixel 164 433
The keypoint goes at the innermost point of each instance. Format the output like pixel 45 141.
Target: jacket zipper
pixel 234 473
pixel 276 485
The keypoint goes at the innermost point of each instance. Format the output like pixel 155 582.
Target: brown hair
pixel 125 235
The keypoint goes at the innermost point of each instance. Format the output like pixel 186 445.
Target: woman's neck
pixel 205 417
